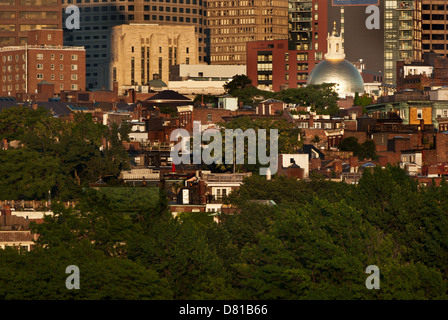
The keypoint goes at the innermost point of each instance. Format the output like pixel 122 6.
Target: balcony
pixel 225 177
pixel 302 9
pixel 405 6
pixel 302 19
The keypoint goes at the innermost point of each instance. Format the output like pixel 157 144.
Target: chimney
pixel 353 161
pixel 201 190
pixel 311 121
pixel 337 165
pixel 104 142
pixel 6 210
pixel 268 174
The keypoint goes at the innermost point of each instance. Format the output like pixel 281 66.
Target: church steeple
pixel 335 49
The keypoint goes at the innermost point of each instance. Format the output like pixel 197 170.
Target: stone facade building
pixel 144 52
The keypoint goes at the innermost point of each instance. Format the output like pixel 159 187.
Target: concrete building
pixel 202 78
pixel 99 16
pixel 234 23
pixel 203 72
pixel 193 87
pixel 144 52
pixel 17 17
pixel 43 59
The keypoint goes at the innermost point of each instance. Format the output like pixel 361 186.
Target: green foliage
pixel 321 98
pixel 57 155
pixel 288 137
pixel 362 101
pixel 365 150
pixel 251 96
pixel 314 243
pixel 238 82
pixel 40 275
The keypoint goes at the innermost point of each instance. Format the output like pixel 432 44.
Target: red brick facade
pixel 23 67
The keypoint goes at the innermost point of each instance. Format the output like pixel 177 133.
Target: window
pixel 419 113
pixel 74 57
pixel 40 56
pixel 40 76
pixel 74 67
pixel 40 66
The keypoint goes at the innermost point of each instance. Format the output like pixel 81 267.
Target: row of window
pixel 73 77
pixel 17 87
pixel 145 8
pixel 74 67
pixel 131 17
pixel 40 56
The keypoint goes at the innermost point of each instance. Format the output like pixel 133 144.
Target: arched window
pixel 337 47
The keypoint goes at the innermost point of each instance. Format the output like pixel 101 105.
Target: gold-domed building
pixel 335 69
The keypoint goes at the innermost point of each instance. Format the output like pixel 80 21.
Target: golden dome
pixel 347 78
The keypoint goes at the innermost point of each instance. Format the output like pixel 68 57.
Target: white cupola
pixel 335 49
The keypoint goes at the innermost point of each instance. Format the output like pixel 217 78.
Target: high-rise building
pixel 234 23
pixel 434 26
pixel 402 35
pixel 17 17
pixel 99 16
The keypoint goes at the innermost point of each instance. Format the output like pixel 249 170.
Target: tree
pixel 52 152
pixel 288 138
pixel 366 150
pixel 321 98
pixel 40 275
pixel 238 82
pixel 362 101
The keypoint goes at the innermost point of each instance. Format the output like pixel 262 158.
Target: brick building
pixel 423 75
pixel 45 58
pixel 272 66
